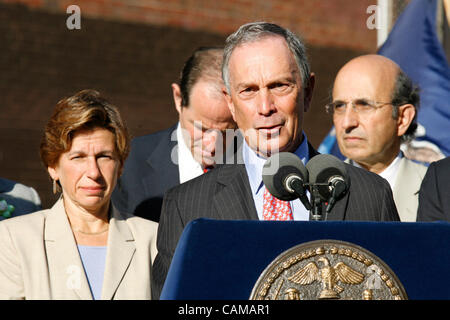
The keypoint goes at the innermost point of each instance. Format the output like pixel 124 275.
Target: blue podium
pixel 222 260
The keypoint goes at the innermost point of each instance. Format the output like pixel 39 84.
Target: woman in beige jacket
pixel 81 248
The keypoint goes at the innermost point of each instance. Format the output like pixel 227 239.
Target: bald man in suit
pixel 374 111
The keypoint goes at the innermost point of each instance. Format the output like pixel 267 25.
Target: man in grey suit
pixel 374 110
pixel 162 160
pixel 268 88
pixel 17 199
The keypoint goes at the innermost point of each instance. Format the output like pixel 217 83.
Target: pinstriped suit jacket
pixel 224 193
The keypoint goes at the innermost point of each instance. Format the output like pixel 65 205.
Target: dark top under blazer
pixel 225 193
pixel 434 193
pixel 147 174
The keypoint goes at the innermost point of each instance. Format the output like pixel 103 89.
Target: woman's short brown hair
pixel 85 110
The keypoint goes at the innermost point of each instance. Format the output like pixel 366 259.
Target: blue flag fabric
pixel 413 44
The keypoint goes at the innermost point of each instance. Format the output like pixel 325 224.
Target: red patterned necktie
pixel 276 209
pixel 205 170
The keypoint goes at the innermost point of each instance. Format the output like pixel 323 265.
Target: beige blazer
pixel 406 190
pixel 39 258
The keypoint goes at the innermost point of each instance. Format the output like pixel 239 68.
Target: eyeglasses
pixel 362 106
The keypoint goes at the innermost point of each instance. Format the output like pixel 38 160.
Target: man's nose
pixel 350 118
pixel 266 103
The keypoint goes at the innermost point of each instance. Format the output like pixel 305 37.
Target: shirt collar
pixel 390 172
pixel 188 167
pixel 254 163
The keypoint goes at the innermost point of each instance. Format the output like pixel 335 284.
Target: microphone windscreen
pixel 322 168
pixel 277 168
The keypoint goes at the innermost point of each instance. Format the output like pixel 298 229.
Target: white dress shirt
pixel 188 167
pixel 254 165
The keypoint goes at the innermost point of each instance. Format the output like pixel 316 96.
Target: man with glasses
pixel 374 110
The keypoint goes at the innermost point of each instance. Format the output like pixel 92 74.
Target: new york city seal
pixel 328 269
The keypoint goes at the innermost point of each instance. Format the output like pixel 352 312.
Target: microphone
pixel 329 175
pixel 285 176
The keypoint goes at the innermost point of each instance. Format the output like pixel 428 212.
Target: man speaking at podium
pixel 268 88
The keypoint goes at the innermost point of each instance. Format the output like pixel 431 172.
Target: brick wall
pixel 132 63
pixel 339 23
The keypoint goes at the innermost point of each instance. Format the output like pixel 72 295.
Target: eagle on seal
pixel 328 275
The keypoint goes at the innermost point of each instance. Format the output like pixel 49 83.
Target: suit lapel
pixel 67 277
pixel 234 200
pixel 120 252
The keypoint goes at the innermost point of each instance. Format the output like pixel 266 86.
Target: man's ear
pixel 406 115
pixel 309 92
pixel 176 92
pixel 229 101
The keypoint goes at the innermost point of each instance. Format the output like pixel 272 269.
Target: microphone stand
pixel 316 210
pixel 315 207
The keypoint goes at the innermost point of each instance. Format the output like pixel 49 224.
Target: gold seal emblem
pixel 328 269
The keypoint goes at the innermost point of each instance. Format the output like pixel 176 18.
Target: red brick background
pixel 132 51
pixel 338 23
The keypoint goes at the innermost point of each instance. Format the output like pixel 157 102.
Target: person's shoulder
pixel 152 137
pixel 415 167
pixel 142 146
pixel 221 173
pixel 439 171
pixel 140 226
pixel 131 218
pixel 362 176
pixel 27 224
pixel 443 164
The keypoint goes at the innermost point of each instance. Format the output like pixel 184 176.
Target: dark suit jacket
pixel 434 193
pixel 148 173
pixel 225 193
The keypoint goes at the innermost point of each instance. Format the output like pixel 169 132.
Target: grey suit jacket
pixel 39 258
pixel 225 193
pixel 24 199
